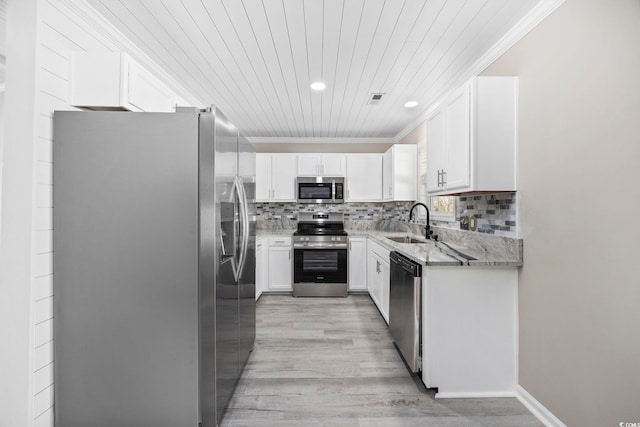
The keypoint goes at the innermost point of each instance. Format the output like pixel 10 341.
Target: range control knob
pixel 333 239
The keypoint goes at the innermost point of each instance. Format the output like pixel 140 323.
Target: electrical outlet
pixel 464 222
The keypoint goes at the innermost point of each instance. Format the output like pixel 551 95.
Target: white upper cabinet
pixel 400 173
pixel 471 138
pixel 275 177
pixel 112 80
pixel 435 149
pixel 263 176
pixel 364 178
pixel 321 165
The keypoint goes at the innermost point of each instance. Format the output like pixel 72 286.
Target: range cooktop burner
pixel 320 224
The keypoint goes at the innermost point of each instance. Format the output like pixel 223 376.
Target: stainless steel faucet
pixel 427 229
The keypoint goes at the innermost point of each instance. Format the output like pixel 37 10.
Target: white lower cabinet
pixel 280 258
pixel 378 276
pixel 469 330
pixel 357 263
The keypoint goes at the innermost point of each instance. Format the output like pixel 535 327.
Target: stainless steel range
pixel 320 259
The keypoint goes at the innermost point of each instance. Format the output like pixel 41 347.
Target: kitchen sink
pixel 406 239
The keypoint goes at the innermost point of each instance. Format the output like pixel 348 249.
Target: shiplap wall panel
pixel 42 219
pixel 368 25
pixel 294 15
pixel 278 30
pixel 269 52
pixel 43 377
pixel 43 333
pixel 384 32
pixel 232 44
pixel 352 14
pixel 43 355
pixel 249 50
pixel 314 27
pixel 42 287
pixel 407 34
pixel 331 36
pixel 221 59
pixel 436 81
pixel 43 241
pixel 256 13
pixel 62 30
pixel 43 401
pixel 45 419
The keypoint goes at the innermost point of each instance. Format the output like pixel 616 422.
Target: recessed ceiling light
pixel 318 86
pixel 411 104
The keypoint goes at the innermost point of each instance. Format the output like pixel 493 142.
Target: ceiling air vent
pixel 375 98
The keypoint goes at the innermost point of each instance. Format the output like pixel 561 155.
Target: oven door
pixel 320 265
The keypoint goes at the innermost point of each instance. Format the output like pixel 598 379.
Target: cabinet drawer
pixel 280 241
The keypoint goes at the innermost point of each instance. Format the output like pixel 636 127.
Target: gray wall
pixel 579 172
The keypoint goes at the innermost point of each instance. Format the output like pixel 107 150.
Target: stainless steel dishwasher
pixel 404 308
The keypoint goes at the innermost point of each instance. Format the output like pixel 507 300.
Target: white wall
pixel 578 185
pixel 26 295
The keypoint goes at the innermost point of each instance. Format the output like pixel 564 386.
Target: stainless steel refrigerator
pixel 154 266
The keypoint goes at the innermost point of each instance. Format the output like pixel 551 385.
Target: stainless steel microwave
pixel 320 189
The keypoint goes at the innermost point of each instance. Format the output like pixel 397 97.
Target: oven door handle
pixel 340 247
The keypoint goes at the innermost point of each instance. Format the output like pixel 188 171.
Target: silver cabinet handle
pixel 444 177
pixel 350 248
pixel 289 254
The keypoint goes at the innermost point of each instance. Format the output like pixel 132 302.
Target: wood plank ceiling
pixel 256 59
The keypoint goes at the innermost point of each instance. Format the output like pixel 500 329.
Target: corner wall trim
pixel 545 416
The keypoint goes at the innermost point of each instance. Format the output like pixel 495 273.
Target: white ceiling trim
pixel 318 140
pixel 101 24
pixel 522 28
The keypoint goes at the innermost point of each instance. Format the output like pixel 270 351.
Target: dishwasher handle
pixel 405 263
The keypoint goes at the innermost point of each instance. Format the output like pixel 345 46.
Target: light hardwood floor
pixel 331 362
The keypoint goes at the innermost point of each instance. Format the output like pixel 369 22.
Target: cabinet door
pixel 435 149
pixel 263 176
pixel 357 263
pixel 280 268
pixel 364 178
pixel 145 91
pixel 387 175
pixel 404 172
pixel 309 164
pixel 385 285
pixel 457 121
pixel 283 177
pixel 373 275
pixel 260 267
pixel 333 165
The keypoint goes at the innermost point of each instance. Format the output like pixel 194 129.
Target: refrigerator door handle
pixel 244 225
pixel 235 265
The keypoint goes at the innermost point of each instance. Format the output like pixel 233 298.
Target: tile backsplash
pixel 352 211
pixel 496 213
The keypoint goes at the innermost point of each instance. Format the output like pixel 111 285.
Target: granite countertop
pixel 453 247
pixel 447 253
pixel 275 232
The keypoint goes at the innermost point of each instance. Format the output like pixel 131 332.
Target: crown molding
pixel 317 140
pixel 521 29
pixel 101 25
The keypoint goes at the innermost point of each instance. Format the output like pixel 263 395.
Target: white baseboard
pixel 473 394
pixel 543 414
